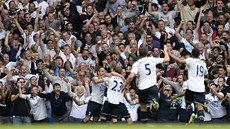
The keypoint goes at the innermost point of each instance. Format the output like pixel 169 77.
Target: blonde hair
pixel 77 88
pixel 168 86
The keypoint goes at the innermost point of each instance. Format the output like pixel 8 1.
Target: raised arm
pixel 128 80
pixel 36 27
pixel 75 52
pixel 198 21
pixel 150 9
pixel 166 57
pixel 6 42
pixel 97 80
pixel 41 44
pixel 14 97
pixel 36 45
pixel 51 78
pixel 173 84
pixel 19 26
pixel 177 59
pixel 90 20
pixel 220 97
pixel 23 96
pixel 56 47
pixel 177 32
pixel 87 88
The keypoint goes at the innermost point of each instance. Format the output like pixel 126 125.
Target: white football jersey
pixel 146 69
pixel 114 87
pixel 196 71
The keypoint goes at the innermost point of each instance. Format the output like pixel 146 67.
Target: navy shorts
pixel 123 111
pixel 148 94
pixel 93 109
pixel 196 97
pixel 110 109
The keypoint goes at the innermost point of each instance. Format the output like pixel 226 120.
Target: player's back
pixel 196 71
pixel 114 89
pixel 146 69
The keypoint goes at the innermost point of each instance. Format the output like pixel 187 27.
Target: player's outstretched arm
pixel 129 79
pixel 177 59
pixel 166 57
pixel 97 80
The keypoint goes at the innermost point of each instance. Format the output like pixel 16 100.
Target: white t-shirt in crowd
pixel 214 105
pixel 79 111
pixel 37 106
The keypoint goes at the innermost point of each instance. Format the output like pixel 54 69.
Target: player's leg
pixel 95 119
pixel 153 99
pixel 105 112
pixel 125 113
pixel 97 112
pixel 88 113
pixel 143 105
pixel 115 112
pixel 189 98
pixel 86 119
pixel 200 100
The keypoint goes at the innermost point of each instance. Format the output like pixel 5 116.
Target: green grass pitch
pixel 119 126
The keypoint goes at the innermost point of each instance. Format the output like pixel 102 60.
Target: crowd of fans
pixel 50 52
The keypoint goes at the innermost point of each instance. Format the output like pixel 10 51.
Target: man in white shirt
pixel 37 104
pixel 145 67
pixel 214 107
pixel 196 88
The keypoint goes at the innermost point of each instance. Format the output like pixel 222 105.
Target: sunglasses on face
pixel 167 90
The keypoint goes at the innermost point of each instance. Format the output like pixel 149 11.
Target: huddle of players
pixel 112 106
pixel 145 69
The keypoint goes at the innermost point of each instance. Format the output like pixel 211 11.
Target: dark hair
pixel 155 5
pixel 39 61
pixel 214 85
pixel 87 33
pixel 222 78
pixel 33 77
pixel 121 44
pixel 19 79
pixel 68 24
pixel 66 63
pixel 89 5
pixel 188 30
pixel 195 53
pixel 207 22
pixel 59 58
pixel 56 84
pixel 203 33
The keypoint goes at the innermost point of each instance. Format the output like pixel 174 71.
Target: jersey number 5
pixel 199 71
pixel 148 69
